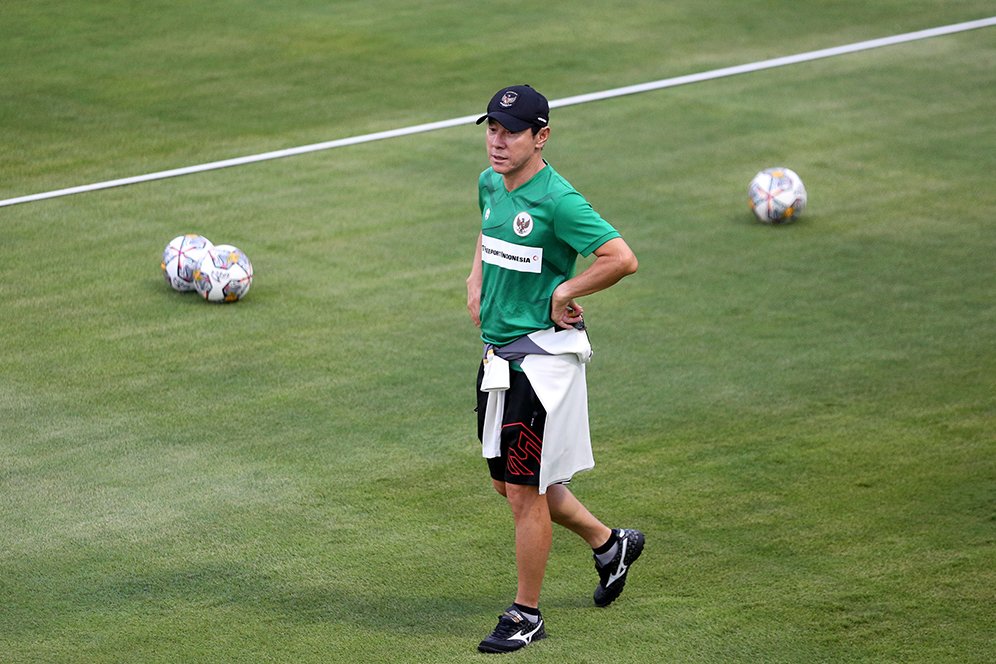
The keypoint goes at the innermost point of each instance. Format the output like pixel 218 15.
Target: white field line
pixel 566 101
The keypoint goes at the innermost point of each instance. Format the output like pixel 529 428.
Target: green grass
pixel 800 418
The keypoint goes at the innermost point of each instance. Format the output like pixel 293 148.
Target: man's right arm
pixel 474 282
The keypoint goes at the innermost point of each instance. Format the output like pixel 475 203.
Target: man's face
pixel 510 152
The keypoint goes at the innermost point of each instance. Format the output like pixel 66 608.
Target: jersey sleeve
pixel 481 189
pixel 577 224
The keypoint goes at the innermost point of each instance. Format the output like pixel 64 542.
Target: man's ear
pixel 542 136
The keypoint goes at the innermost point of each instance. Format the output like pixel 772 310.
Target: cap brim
pixel 510 122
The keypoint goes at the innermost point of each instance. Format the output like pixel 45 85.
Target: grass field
pixel 802 419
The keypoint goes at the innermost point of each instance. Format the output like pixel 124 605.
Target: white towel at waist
pixel 557 375
pixel 495 381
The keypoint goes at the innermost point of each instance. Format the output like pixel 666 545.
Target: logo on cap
pixel 508 98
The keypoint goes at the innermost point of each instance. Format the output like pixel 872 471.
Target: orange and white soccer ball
pixel 224 275
pixel 181 258
pixel 777 195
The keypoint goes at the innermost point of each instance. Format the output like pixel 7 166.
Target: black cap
pixel 518 107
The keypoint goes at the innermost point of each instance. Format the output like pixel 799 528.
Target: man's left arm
pixel 613 261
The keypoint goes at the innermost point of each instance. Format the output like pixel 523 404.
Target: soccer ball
pixel 224 275
pixel 180 259
pixel 777 195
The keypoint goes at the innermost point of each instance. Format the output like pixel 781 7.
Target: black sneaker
pixel 514 631
pixel 612 577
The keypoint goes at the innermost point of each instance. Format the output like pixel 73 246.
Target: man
pixel 532 398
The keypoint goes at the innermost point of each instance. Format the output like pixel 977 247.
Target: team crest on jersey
pixel 487 214
pixel 523 224
pixel 508 98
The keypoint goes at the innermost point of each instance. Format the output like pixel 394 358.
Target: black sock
pixel 530 613
pixel 605 553
pixel 613 538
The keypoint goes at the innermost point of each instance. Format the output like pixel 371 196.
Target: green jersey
pixel 531 238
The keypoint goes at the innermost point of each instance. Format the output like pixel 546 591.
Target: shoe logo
pixel 621 570
pixel 526 637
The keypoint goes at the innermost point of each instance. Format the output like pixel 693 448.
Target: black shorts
pixel 521 431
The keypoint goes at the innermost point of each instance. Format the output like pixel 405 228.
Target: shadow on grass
pixel 376 605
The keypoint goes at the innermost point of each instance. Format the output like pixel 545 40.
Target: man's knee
pixel 523 498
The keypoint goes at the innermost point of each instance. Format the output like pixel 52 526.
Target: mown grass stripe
pixel 557 103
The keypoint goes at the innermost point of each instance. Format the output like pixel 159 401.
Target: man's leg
pixel 521 623
pixel 567 511
pixel 613 551
pixel 533 536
